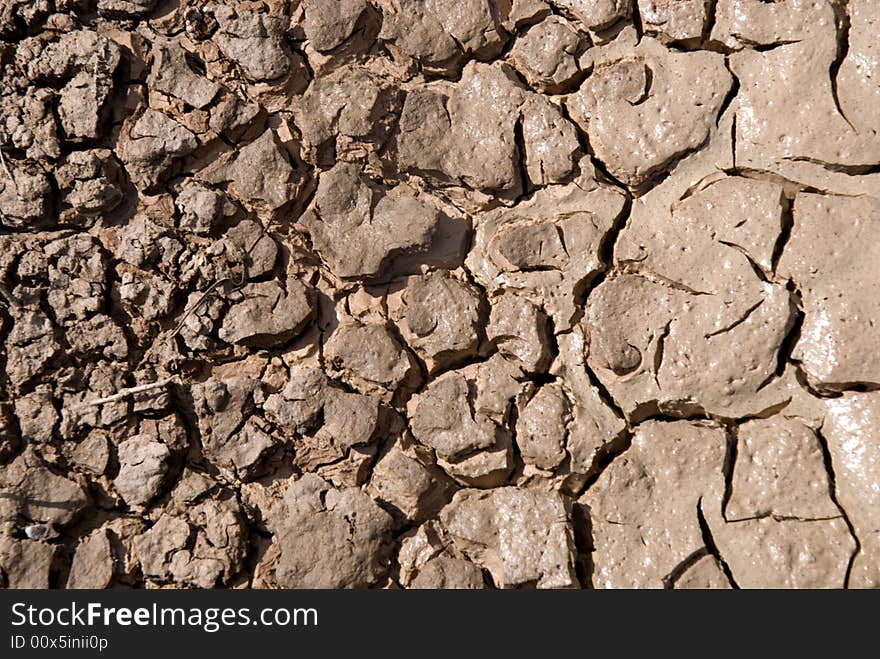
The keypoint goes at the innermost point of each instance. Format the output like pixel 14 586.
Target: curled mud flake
pixel 326 538
pixel 171 73
pixel 595 428
pixel 443 419
pixel 521 332
pixel 255 42
pixel 268 313
pixel 548 55
pixel 346 115
pixel 750 23
pixel 675 20
pixel 458 139
pixel 92 566
pixel 823 134
pixel 779 472
pixel 440 317
pixel 25 196
pixel 594 14
pixel 371 359
pixel 693 291
pixel 830 257
pixel 520 536
pixel 448 573
pixel 407 479
pixel 298 406
pixel 767 553
pixel 25 564
pixel 126 8
pixel 541 427
pixel 150 145
pixel 232 434
pixel 87 62
pixel 362 232
pixel 855 71
pixel 30 489
pixel 644 509
pixel 330 24
pixel 91 184
pixel 261 175
pixel 704 574
pixel 527 248
pixel 851 436
pixel 439 37
pixel 201 545
pixel 644 112
pixel 202 209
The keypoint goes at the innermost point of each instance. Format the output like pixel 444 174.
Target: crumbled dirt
pixel 414 294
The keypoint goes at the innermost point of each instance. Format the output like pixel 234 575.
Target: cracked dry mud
pixel 422 294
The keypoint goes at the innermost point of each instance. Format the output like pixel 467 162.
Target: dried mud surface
pixel 422 294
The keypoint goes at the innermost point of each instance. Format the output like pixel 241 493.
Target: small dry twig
pixel 198 303
pixel 124 393
pixel 237 282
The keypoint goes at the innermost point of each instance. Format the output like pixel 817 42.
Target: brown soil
pixel 422 294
